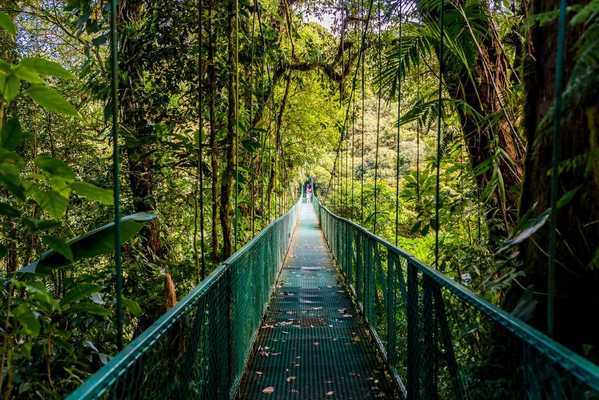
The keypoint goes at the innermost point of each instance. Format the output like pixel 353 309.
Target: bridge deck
pixel 312 344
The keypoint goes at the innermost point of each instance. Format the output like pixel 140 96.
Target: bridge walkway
pixel 312 343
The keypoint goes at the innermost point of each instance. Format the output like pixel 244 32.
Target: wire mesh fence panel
pixel 442 341
pixel 199 348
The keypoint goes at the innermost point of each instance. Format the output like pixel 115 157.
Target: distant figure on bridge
pixel 309 192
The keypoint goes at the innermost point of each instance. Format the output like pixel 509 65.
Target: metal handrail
pixel 105 379
pixel 584 370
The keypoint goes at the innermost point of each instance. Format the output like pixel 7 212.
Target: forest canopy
pixel 417 130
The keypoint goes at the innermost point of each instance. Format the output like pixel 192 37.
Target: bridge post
pixel 413 383
pixel 229 329
pixel 359 267
pixel 391 265
pixel 429 352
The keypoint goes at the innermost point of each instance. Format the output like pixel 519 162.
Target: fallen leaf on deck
pixel 268 390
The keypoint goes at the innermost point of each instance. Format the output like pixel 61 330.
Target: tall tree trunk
pixel 577 269
pixel 212 139
pixel 139 134
pixel 8 53
pixel 484 90
pixel 278 152
pixel 227 177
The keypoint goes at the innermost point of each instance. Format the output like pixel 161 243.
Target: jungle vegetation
pixel 220 125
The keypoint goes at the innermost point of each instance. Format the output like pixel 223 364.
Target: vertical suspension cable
pixel 399 78
pixel 378 123
pixel 555 157
pixel 251 110
pixel 362 48
pixel 418 127
pixel 269 76
pixel 362 85
pixel 353 149
pixel 236 157
pixel 341 96
pixel 201 141
pixel 346 170
pixel 439 127
pixel 116 172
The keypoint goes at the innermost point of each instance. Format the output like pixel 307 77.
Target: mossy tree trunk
pixel 577 270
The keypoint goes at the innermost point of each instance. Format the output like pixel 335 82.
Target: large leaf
pixel 99 241
pixel 80 292
pixel 39 292
pixel 132 306
pixel 92 192
pixel 527 229
pixel 11 88
pixel 38 225
pixel 7 23
pixel 46 67
pixel 60 246
pixel 55 167
pixel 11 134
pixel 10 170
pixel 50 201
pixel 28 320
pixel 90 308
pixel 51 100
pixel 29 75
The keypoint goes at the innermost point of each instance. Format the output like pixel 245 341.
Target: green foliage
pixel 7 23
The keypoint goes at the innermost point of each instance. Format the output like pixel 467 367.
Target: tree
pixel 577 270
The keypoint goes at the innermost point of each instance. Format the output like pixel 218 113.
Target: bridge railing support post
pixel 229 330
pixel 392 264
pixel 413 347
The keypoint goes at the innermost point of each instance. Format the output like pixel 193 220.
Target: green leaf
pixel 80 292
pixel 37 225
pixel 28 75
pixel 8 211
pixel 90 308
pixel 3 250
pixel 99 241
pixel 9 177
pixel 55 167
pixel 28 320
pixel 7 23
pixel 11 134
pixel 50 201
pixel 528 228
pixel 9 157
pixel 60 246
pixel 5 67
pixel 92 192
pixel 39 292
pixel 51 100
pixel 567 198
pixel 132 306
pixel 46 67
pixel 11 88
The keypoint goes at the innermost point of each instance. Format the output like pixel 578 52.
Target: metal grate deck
pixel 312 343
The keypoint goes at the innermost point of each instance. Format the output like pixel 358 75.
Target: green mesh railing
pixel 199 348
pixel 442 341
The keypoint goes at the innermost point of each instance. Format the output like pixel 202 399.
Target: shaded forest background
pixel 221 124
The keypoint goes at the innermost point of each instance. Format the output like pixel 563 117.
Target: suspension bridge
pixel 318 307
